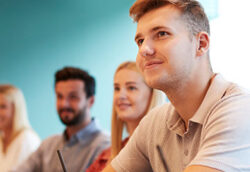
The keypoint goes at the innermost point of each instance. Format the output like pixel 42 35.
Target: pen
pixel 162 157
pixel 61 160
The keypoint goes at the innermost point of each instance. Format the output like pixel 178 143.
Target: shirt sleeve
pixel 225 144
pixel 134 156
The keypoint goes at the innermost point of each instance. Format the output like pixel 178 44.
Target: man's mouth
pixel 152 64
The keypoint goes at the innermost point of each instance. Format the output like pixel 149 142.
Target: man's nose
pixel 146 49
pixel 64 102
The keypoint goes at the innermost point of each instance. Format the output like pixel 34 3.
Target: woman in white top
pixel 17 139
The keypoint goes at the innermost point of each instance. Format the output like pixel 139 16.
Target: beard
pixel 77 117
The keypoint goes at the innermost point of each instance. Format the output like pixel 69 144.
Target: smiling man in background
pixel 82 140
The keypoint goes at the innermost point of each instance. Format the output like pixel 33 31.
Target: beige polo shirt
pixel 218 135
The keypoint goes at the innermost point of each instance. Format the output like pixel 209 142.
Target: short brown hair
pixel 68 73
pixel 192 12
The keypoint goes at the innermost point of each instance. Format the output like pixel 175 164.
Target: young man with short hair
pixel 204 127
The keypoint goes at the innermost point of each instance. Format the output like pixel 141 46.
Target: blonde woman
pixel 131 102
pixel 17 139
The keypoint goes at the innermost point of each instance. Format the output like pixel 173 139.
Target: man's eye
pixel 73 97
pixel 162 33
pixel 116 88
pixel 140 41
pixel 59 97
pixel 132 88
pixel 3 106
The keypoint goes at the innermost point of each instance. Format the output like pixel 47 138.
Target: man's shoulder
pixel 101 139
pixel 92 136
pixel 51 140
pixel 236 90
pixel 97 134
pixel 234 96
pixel 53 137
pixel 103 135
pixel 232 109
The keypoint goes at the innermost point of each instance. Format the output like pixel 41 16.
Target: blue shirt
pixel 78 152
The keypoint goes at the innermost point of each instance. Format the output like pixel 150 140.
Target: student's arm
pixel 199 168
pixel 194 168
pixel 109 168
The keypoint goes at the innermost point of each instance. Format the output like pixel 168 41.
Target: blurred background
pixel 38 37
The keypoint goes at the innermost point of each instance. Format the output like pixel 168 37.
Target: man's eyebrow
pixel 157 28
pixel 73 92
pixel 127 83
pixel 151 30
pixel 131 83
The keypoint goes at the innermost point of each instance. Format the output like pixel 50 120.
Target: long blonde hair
pixel 15 96
pixel 157 98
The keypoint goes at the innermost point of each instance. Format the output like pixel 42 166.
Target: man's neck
pixel 72 130
pixel 187 99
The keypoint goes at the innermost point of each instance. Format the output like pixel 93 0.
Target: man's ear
pixel 91 101
pixel 203 43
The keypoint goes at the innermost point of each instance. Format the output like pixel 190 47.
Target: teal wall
pixel 37 37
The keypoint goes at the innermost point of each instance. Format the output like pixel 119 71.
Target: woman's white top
pixel 19 149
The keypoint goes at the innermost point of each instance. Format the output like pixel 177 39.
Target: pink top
pixel 101 161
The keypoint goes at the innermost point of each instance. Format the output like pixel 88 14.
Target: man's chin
pixel 68 123
pixel 65 120
pixel 71 119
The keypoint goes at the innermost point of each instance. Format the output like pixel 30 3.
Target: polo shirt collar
pixel 175 122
